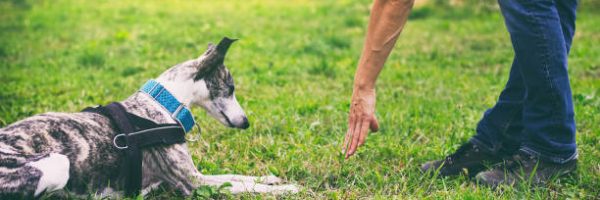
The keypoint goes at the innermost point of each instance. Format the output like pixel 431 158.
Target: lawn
pixel 293 69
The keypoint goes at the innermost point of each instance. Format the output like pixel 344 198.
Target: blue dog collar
pixel 177 109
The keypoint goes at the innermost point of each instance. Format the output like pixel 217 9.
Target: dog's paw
pixel 269 180
pixel 286 189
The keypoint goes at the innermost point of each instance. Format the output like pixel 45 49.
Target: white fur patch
pixel 55 172
pixel 184 90
pixel 233 109
pixel 269 180
pixel 241 184
pixel 242 187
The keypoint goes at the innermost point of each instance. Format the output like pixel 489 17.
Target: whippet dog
pixel 75 152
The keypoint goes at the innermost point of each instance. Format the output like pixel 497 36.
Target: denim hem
pixel 551 158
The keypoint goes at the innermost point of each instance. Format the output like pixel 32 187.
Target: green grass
pixel 293 68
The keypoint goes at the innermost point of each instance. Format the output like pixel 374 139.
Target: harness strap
pixel 171 134
pixel 137 133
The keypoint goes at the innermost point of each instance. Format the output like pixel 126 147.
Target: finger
pixel 346 139
pixel 352 134
pixel 355 136
pixel 350 139
pixel 374 124
pixel 348 134
pixel 364 131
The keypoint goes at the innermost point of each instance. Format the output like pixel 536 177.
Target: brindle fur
pixel 86 140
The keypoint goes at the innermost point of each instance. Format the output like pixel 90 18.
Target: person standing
pixel 529 132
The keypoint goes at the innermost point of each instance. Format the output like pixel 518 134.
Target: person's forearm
pixel 385 24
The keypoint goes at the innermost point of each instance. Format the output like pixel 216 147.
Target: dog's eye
pixel 231 89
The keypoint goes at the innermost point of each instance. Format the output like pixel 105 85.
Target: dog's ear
pixel 213 57
pixel 224 45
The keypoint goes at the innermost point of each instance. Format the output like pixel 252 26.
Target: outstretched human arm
pixel 385 24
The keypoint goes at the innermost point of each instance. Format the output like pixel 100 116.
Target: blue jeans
pixel 534 112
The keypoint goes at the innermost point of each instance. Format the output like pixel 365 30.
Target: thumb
pixel 374 125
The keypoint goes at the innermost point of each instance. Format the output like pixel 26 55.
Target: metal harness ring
pixel 115 141
pixel 197 137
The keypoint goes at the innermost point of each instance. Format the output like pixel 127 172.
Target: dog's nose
pixel 245 124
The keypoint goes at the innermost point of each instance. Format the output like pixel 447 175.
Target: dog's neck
pixel 177 80
pixel 179 83
pixel 145 106
pixel 179 89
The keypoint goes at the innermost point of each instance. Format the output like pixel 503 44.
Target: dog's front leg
pixel 174 166
pixel 269 180
pixel 242 184
pixel 246 185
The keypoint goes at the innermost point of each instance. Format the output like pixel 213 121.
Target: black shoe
pixel 525 167
pixel 468 158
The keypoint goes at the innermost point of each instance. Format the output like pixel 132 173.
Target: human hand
pixel 360 120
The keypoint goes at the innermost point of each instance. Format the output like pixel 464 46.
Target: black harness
pixel 135 134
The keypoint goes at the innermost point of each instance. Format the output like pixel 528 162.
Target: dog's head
pixel 207 83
